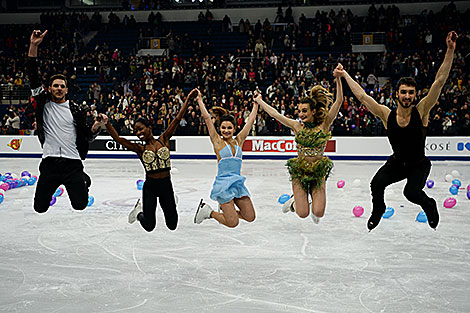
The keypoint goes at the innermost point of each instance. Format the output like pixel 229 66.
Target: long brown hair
pixel 222 115
pixel 319 101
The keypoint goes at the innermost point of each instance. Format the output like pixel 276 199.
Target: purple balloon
pixel 25 173
pixel 353 126
pixel 430 183
pixel 468 195
pixel 53 200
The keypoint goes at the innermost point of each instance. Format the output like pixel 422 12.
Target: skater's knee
pixel 150 228
pixel 319 213
pixel 251 218
pixel 79 206
pixel 41 208
pixel 172 225
pixel 303 213
pixel 232 222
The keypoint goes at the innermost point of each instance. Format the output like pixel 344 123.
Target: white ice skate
pixel 203 212
pixel 315 219
pixel 135 211
pixel 288 206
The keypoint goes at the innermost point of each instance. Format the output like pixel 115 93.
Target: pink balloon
pixel 450 202
pixel 5 186
pixel 468 187
pixel 340 183
pixel 358 211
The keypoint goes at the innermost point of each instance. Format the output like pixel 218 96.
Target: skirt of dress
pixel 229 183
pixel 309 174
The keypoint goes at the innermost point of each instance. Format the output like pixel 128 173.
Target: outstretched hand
pixel 339 71
pixel 37 37
pixel 102 118
pixel 193 93
pixel 199 95
pixel 451 40
pixel 257 96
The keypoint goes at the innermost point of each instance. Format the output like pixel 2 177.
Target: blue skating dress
pixel 229 183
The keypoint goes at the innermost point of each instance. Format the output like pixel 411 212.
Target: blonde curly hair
pixel 319 101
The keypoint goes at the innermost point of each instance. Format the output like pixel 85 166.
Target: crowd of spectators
pixel 130 86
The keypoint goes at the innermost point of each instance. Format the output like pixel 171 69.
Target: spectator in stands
pixel 13 124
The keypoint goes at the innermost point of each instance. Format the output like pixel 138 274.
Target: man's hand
pixel 102 118
pixel 193 93
pixel 257 96
pixel 451 40
pixel 339 71
pixel 37 37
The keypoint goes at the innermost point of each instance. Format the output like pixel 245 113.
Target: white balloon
pixel 448 177
pixel 357 182
pixel 455 173
pixel 174 170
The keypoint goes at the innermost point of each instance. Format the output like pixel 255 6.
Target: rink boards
pixel 256 147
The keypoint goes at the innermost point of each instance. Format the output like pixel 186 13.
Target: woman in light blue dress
pixel 229 186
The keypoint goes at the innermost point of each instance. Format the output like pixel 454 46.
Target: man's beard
pixel 406 106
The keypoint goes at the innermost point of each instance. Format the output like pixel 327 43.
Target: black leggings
pixel 394 171
pixel 162 189
pixel 56 171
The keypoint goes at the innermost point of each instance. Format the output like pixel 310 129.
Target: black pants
pixel 54 172
pixel 393 171
pixel 160 189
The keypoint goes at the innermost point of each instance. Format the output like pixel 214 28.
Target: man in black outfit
pixel 406 130
pixel 64 135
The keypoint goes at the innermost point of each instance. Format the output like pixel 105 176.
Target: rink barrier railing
pixel 255 147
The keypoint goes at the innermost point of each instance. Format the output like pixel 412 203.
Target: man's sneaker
pixel 432 214
pixel 288 206
pixel 135 211
pixel 375 218
pixel 203 212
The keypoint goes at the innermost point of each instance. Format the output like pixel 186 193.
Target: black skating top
pixel 407 142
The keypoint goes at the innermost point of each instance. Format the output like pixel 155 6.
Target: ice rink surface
pixel 94 261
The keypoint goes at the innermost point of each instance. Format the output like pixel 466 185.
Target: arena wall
pixel 253 14
pixel 259 147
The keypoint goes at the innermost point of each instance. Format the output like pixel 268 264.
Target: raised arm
pixel 215 138
pixel 32 65
pixel 122 141
pixel 426 104
pixel 249 124
pixel 34 41
pixel 377 109
pixel 172 127
pixel 292 124
pixel 333 112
